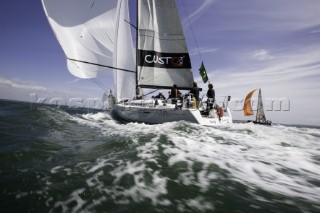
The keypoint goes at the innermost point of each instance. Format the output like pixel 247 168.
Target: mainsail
pixel 163 58
pixel 260 110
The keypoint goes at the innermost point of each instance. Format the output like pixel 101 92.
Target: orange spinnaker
pixel 247 110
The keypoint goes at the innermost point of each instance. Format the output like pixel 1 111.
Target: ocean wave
pixel 278 160
pixel 90 162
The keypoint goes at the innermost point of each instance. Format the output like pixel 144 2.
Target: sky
pixel 269 44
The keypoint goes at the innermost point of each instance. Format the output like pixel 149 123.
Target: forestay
pixel 163 58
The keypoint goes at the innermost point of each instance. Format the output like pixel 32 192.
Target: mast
pixel 137 51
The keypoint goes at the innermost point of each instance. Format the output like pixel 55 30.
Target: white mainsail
pixel 260 110
pixel 163 58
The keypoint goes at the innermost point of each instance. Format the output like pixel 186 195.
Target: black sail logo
pixel 163 60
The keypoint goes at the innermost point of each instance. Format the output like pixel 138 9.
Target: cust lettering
pixel 174 61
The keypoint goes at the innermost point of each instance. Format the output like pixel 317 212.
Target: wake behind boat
pixel 96 38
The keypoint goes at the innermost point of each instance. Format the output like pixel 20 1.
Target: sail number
pixel 174 61
pixel 148 58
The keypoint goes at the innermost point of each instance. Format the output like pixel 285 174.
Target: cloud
pixel 291 70
pixel 73 81
pixel 315 31
pixel 293 74
pixel 262 55
pixel 266 17
pixel 24 91
pixel 293 77
pixel 20 85
pixel 208 50
pixel 203 50
pixel 198 12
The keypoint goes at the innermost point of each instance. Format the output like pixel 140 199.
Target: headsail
pixel 124 54
pixel 163 58
pixel 93 34
pixel 247 110
pixel 85 31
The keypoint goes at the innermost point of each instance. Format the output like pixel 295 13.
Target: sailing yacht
pixel 260 115
pixel 96 38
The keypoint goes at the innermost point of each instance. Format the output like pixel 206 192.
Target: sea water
pixel 62 160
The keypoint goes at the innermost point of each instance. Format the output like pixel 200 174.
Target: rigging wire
pixel 194 37
pixel 100 84
pixel 150 92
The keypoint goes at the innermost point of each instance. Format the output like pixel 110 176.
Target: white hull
pixel 146 112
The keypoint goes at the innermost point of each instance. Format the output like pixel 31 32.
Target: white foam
pixel 256 160
pixel 94 180
pixel 254 155
pixel 128 168
pixel 100 116
pixel 55 169
pixel 100 163
pixel 197 204
pixel 277 159
pixel 141 189
pixel 74 198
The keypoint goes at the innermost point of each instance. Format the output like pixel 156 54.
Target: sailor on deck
pixel 195 92
pixel 175 93
pixel 211 97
